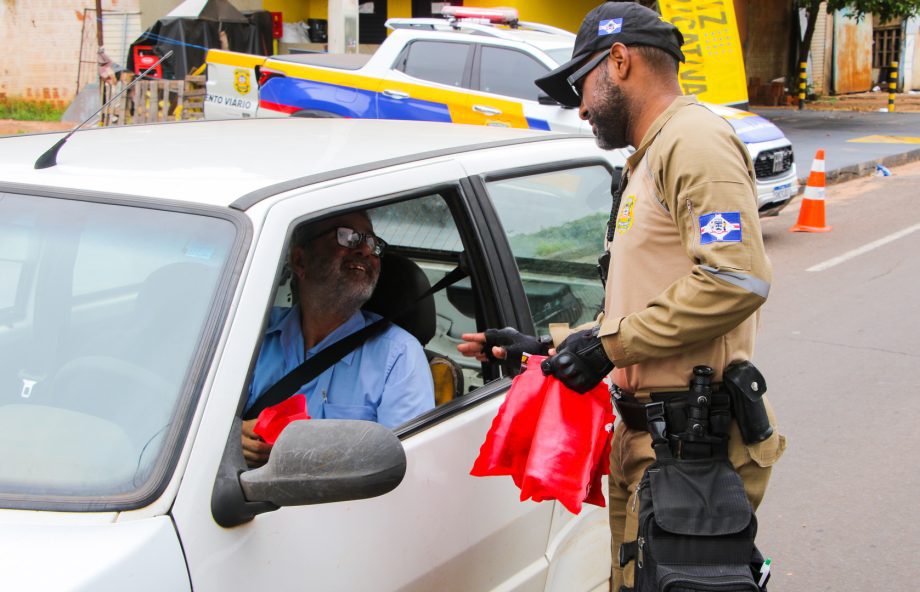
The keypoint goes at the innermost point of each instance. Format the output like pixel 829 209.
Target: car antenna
pixel 49 158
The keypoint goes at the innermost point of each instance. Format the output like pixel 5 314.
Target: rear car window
pixel 436 61
pixel 510 73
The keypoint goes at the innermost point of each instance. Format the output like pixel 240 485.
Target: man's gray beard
pixel 336 295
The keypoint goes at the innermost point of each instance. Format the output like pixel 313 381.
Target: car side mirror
pixel 312 462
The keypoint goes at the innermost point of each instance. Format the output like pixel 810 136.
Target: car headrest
pixel 400 284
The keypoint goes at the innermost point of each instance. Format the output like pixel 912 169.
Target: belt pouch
pixel 747 386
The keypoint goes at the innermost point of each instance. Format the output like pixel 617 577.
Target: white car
pixel 452 70
pixel 136 276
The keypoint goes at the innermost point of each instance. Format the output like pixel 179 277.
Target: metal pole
pixel 803 81
pixel 99 22
pixel 892 85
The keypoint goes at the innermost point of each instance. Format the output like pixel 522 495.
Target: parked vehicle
pixel 135 283
pixel 451 70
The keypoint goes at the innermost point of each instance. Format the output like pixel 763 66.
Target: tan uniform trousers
pixel 631 453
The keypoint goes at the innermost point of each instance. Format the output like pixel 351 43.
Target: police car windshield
pixel 102 308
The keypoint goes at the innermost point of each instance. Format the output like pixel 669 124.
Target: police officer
pixel 687 270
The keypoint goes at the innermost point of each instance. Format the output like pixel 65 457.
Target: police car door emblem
pixel 627 213
pixel 609 26
pixel 720 227
pixel 241 81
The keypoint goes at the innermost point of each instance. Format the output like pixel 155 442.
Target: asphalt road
pixel 840 348
pixel 834 131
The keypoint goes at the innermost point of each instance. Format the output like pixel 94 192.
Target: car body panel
pixel 43 554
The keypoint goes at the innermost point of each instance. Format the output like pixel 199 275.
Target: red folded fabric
pixel 553 442
pixel 272 420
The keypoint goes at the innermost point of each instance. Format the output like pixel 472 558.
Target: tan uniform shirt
pixel 688 269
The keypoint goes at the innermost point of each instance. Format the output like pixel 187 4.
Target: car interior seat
pixel 400 284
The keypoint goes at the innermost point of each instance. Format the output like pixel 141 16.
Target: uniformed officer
pixel 687 268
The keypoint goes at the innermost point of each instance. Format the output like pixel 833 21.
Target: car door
pixel 504 92
pixel 440 529
pixel 428 83
pixel 550 220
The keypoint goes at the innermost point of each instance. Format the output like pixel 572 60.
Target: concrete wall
pixel 41 41
pixel 912 54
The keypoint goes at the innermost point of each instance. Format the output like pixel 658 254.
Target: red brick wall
pixel 41 41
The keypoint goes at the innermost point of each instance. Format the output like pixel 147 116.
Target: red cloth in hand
pixel 272 420
pixel 553 442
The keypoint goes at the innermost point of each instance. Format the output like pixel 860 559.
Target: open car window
pixel 424 245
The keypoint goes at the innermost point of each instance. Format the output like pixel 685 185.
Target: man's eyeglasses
pixel 577 77
pixel 352 239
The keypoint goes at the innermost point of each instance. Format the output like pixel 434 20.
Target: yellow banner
pixel 714 70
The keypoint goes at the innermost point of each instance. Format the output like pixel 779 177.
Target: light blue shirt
pixel 386 379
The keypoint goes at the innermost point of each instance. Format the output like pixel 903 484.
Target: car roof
pixel 218 162
pixel 545 38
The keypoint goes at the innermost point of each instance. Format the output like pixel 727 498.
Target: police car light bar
pixel 503 16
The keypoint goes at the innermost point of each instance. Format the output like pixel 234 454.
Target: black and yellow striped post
pixel 803 81
pixel 892 85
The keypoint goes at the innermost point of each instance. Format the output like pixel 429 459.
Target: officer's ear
pixel 619 62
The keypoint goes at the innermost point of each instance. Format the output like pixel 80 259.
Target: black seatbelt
pixel 291 382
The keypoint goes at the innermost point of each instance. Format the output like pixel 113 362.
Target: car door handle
pixel 396 94
pixel 486 110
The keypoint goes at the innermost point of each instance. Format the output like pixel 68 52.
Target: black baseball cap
pixel 628 23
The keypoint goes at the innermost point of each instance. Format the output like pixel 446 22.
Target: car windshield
pixel 102 308
pixel 560 55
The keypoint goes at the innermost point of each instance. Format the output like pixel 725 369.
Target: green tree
pixel 884 9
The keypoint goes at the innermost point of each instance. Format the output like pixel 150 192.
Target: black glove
pixel 580 362
pixel 515 344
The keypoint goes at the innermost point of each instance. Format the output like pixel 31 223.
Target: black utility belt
pixel 633 412
pixel 739 397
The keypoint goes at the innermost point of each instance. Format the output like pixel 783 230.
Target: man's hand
pixel 504 345
pixel 581 361
pixel 255 449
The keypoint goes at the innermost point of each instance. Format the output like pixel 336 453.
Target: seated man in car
pixel 335 264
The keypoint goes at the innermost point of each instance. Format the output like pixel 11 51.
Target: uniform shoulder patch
pixel 720 227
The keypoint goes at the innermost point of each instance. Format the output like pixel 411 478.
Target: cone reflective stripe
pixel 811 214
pixel 815 187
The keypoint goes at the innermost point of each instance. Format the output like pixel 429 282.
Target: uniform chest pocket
pixel 338 411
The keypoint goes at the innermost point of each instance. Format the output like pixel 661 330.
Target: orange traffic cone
pixel 811 214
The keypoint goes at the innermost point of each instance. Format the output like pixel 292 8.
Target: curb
pixel 864 169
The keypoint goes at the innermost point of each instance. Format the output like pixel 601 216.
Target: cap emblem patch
pixel 609 27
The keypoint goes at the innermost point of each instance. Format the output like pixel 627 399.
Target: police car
pixel 138 269
pixel 476 66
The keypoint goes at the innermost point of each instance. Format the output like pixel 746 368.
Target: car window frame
pixel 192 387
pixel 495 307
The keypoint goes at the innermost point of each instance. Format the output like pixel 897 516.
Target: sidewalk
pixel 854 141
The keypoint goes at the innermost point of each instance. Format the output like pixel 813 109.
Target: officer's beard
pixel 610 114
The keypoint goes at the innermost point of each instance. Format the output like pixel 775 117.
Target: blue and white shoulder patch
pixel 720 227
pixel 609 27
